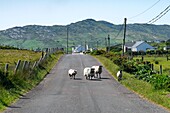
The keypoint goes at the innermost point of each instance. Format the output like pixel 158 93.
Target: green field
pixel 12 56
pixel 157 61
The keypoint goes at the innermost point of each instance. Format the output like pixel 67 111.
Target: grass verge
pixel 144 89
pixel 16 86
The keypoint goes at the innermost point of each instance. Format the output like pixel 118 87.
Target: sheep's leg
pixel 119 78
pixel 90 77
pixel 70 76
pixel 95 75
pixel 86 76
pixel 100 76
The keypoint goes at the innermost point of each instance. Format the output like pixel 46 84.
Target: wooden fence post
pixel 6 69
pixel 39 60
pixel 17 66
pixel 42 55
pixel 152 67
pixel 24 65
pixel 167 57
pixel 142 58
pixel 34 65
pixel 28 65
pixel 161 69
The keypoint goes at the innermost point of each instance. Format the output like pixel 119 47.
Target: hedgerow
pixel 140 69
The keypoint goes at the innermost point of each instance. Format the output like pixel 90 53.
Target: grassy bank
pixel 144 89
pixel 14 86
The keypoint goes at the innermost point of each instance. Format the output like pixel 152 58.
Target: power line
pixel 165 11
pixel 119 31
pixel 160 16
pixel 144 10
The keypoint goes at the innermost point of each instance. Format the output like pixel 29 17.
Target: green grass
pixel 21 83
pixel 144 89
pixel 161 61
pixel 12 56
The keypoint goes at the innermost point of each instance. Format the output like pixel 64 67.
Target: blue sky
pixel 62 12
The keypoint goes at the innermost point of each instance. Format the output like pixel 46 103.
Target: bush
pixel 98 52
pixel 156 62
pixel 161 82
pixel 141 70
pixel 5 81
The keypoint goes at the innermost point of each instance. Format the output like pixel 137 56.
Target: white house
pixel 80 48
pixel 138 46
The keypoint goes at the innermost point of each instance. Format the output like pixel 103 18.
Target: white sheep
pixel 98 70
pixel 72 73
pixel 119 75
pixel 89 72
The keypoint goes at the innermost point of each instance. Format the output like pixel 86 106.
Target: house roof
pixel 79 48
pixel 168 40
pixel 129 44
pixel 133 44
pixel 138 43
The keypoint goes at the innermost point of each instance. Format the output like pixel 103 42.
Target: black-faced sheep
pixel 119 75
pixel 72 73
pixel 89 72
pixel 98 70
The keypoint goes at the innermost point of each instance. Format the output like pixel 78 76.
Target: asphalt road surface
pixel 57 93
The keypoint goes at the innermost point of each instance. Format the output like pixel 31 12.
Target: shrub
pixel 161 82
pixel 5 81
pixel 156 62
pixel 98 52
pixel 141 70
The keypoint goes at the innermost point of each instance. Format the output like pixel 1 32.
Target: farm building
pixel 138 46
pixel 80 48
pixel 167 47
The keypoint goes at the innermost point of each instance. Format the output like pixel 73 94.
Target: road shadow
pixel 13 107
pixel 24 98
pixel 105 78
pixel 96 79
pixel 78 79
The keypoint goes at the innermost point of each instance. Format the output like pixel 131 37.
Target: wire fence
pixel 25 65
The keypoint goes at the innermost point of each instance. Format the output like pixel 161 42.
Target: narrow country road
pixel 57 93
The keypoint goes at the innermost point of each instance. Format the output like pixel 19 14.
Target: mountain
pixel 87 31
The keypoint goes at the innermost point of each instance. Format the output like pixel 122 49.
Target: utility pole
pixel 124 37
pixel 97 43
pixel 67 38
pixel 85 46
pixel 108 43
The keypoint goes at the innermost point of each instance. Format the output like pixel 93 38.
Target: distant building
pixel 79 49
pixel 167 47
pixel 138 46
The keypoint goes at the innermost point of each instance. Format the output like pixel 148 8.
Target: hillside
pixel 89 30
